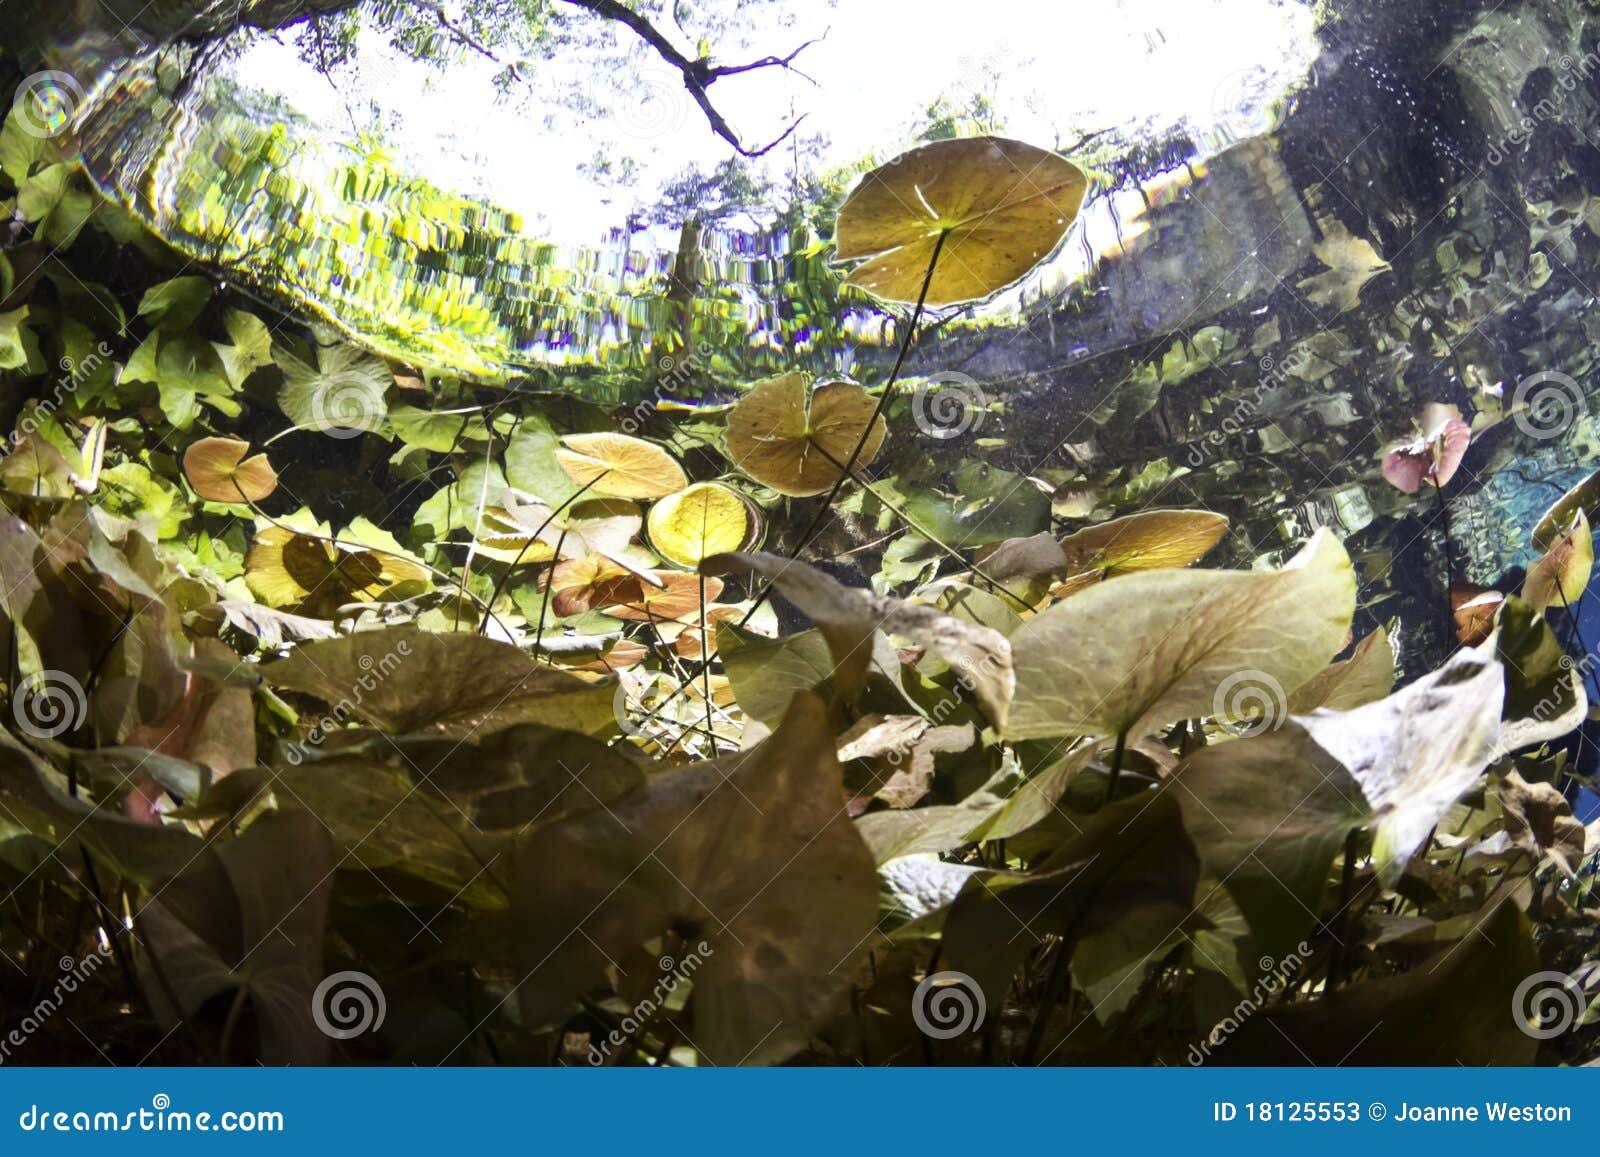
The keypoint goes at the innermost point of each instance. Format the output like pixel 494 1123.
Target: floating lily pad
pixel 706 519
pixel 797 444
pixel 999 207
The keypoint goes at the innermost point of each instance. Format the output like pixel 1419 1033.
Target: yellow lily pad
pixel 1585 496
pixel 1150 540
pixel 694 524
pixel 288 569
pixel 620 466
pixel 796 445
pixel 219 471
pixel 1562 572
pixel 1000 207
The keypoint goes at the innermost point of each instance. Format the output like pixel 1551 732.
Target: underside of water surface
pixel 1303 224
pixel 609 288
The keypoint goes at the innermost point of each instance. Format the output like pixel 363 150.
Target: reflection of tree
pixel 518 34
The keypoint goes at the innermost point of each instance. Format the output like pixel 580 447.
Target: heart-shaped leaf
pixel 1415 752
pixel 620 466
pixel 219 471
pixel 1432 458
pixel 751 858
pixel 694 524
pixel 992 208
pixel 1562 573
pixel 1130 656
pixel 1268 813
pixel 796 444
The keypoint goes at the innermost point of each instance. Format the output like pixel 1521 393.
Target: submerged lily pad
pixel 620 466
pixel 219 471
pixel 1130 656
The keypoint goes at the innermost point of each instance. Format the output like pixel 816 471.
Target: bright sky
pixel 1065 67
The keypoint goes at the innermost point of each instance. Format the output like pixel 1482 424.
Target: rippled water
pixel 392 225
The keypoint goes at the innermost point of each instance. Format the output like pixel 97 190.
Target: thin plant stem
pixel 1449 566
pixel 826 508
pixel 549 593
pixel 1116 765
pixel 1347 882
pixel 705 666
pixel 1055 983
pixel 815 525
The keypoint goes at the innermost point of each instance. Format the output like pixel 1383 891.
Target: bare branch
pixel 699 75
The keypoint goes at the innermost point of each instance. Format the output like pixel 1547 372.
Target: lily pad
pixel 1130 656
pixel 797 444
pixel 992 209
pixel 219 471
pixel 620 466
pixel 1149 540
pixel 706 519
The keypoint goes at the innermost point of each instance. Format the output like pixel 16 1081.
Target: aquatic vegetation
pixel 430 676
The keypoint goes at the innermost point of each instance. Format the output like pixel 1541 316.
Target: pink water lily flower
pixel 1432 458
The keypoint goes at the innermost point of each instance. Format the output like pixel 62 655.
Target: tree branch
pixel 698 75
